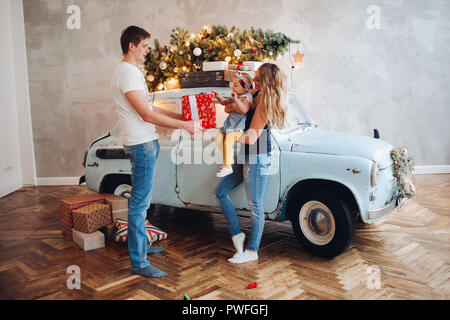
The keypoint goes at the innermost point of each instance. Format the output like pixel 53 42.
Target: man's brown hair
pixel 134 35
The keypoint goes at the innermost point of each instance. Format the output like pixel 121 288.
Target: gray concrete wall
pixel 353 78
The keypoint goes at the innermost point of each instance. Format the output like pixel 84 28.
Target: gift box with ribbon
pixel 153 233
pixel 200 107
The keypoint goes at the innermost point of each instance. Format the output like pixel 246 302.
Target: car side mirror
pixel 376 134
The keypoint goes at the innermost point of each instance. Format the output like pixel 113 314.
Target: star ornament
pixel 298 57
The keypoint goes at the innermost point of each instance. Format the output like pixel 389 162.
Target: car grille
pixel 116 153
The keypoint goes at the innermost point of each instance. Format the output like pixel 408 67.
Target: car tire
pixel 322 222
pixel 121 185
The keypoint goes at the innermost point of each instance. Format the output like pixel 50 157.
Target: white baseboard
pixel 431 169
pixel 5 190
pixel 58 181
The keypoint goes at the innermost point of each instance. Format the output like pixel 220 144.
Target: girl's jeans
pixel 143 161
pixel 254 174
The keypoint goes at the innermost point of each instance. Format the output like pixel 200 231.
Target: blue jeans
pixel 254 174
pixel 143 161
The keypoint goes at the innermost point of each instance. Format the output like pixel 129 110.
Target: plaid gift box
pixel 153 233
pixel 200 107
pixel 70 204
pixel 91 217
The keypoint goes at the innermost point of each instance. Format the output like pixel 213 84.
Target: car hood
pixel 341 143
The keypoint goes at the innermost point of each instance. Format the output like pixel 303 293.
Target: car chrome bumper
pixel 381 212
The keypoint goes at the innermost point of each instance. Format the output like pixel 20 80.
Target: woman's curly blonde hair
pixel 273 95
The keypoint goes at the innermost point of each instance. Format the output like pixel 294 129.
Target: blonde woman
pixel 268 111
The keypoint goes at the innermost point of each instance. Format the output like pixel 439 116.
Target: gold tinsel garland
pixel 187 51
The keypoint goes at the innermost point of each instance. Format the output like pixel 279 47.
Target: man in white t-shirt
pixel 137 118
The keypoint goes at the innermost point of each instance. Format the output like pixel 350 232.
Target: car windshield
pixel 296 115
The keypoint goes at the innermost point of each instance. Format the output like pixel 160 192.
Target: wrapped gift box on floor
pixel 91 217
pixel 119 208
pixel 70 204
pixel 110 196
pixel 200 107
pixel 109 231
pixel 153 233
pixel 88 241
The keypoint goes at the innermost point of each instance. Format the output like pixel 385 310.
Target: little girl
pixel 234 124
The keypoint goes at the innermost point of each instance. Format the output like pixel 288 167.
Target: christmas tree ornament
pixel 210 48
pixel 270 53
pixel 227 59
pixel 163 65
pixel 151 78
pixel 197 52
pixel 237 53
pixel 181 52
pixel 253 51
pixel 298 57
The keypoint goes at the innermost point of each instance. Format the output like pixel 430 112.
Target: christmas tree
pixel 187 51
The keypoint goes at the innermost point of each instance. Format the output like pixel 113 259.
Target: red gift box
pixel 200 107
pixel 68 205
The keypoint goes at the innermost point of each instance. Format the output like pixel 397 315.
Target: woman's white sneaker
pixel 238 242
pixel 246 256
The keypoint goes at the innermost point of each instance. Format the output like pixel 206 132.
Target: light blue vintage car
pixel 322 181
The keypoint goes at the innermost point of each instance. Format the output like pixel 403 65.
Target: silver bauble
pixel 162 65
pixel 197 52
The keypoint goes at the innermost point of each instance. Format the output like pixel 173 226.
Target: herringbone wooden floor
pixel 410 250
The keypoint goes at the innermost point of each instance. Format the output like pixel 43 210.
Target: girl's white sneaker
pixel 224 172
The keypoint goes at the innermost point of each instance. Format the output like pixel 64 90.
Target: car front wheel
pixel 322 222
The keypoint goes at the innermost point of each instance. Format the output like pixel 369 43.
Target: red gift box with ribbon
pixel 200 107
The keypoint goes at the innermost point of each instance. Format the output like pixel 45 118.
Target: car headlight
pixel 374 174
